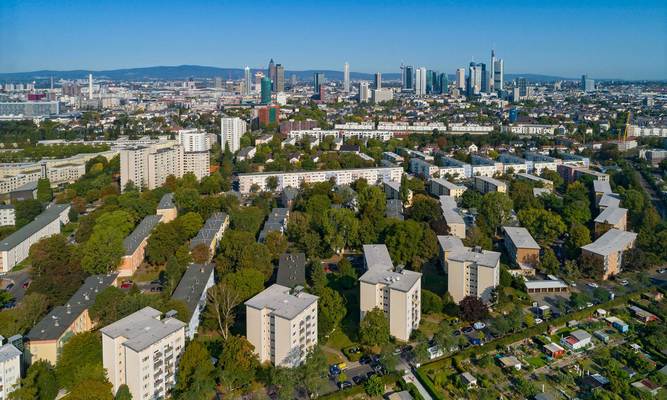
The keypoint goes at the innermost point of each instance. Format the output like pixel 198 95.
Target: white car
pixel 538 321
pixel 624 282
pixel 592 285
pixel 479 325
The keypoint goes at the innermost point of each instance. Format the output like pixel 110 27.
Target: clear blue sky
pixel 606 39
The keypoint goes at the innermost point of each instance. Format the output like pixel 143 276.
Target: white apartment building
pixel 395 291
pixel 453 219
pixel 16 247
pixel 424 168
pixel 470 271
pixel 194 140
pixel 198 163
pixel 460 127
pixel 373 176
pixel 485 185
pixel 142 351
pixel 282 324
pixel 530 129
pixel 7 215
pixel 231 130
pixel 382 95
pixel 440 187
pixel 368 134
pixel 317 133
pixel 10 368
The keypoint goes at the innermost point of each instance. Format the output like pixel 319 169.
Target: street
pixel 18 279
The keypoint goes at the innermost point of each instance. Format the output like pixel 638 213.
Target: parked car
pixel 538 321
pixel 126 284
pixel 479 325
pixel 344 385
pixel 365 359
pixel 26 284
pixel 10 286
pixel 334 370
pixel 359 379
pixel 592 285
pixel 662 270
pixel 468 329
pixel 624 282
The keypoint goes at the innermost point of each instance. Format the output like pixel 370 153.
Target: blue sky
pixel 606 39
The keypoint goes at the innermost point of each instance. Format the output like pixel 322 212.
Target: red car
pixel 126 284
pixel 26 284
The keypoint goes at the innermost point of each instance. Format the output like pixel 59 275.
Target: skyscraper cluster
pixel 276 75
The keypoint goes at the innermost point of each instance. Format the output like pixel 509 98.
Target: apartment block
pixel 486 184
pixel 611 217
pixel 231 130
pixel 423 168
pixel 609 249
pixel 192 290
pixel 167 208
pixel 282 324
pixel 373 176
pixel 395 291
pixel 470 271
pixel 448 243
pixel 16 247
pixel 211 233
pixel 10 368
pixel 522 249
pixel 142 351
pixel 571 173
pixel 134 245
pixel 453 219
pixel 545 183
pixel 47 338
pixel 7 215
pixel 443 187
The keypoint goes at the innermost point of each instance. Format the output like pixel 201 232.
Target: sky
pixel 605 39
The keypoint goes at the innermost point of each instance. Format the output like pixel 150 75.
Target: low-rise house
pixel 16 247
pixel 468 380
pixel 647 385
pixel 291 270
pixel 211 233
pixel 576 340
pixel 553 350
pixel 510 362
pixel 594 381
pixel 521 247
pixel 642 315
pixel 618 323
pixel 546 286
pixel 608 249
pixel 167 208
pixel 47 338
pixel 246 153
pixel 192 290
pixel 134 245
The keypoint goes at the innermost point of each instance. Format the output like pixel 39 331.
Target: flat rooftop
pixel 143 328
pixel 402 280
pixel 193 284
pixel 613 240
pixel 450 242
pixel 377 257
pixel 611 215
pixel 282 301
pixel 521 238
pixel 49 215
pixel 484 258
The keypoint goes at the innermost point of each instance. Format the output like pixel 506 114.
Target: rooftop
pixel 450 242
pixel 291 270
pixel 143 328
pixel 56 322
pixel 8 352
pixel 193 284
pixel 141 232
pixel 166 202
pixel 613 240
pixel 449 185
pixel 46 217
pixel 211 227
pixel 377 257
pixel 481 257
pixel 602 187
pixel 521 238
pixel 394 209
pixel 611 215
pixel 609 200
pixel 282 301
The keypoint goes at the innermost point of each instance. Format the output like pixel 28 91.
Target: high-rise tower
pixel 346 78
pixel 272 73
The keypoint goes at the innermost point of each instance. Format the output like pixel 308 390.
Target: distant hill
pixel 199 71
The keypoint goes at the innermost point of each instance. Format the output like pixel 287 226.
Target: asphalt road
pixel 18 278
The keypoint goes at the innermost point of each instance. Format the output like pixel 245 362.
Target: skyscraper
pixel 346 78
pixel 231 130
pixel 420 81
pixel 443 83
pixel 485 78
pixel 430 82
pixel 318 81
pixel 587 84
pixel 247 80
pixel 377 83
pixel 492 74
pixel 279 84
pixel 90 86
pixel 498 75
pixel 364 92
pixel 408 78
pixel 272 73
pixel 474 81
pixel 266 90
pixel 460 78
pixel 523 87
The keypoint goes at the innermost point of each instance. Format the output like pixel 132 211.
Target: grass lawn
pixel 339 340
pixel 536 362
pixel 429 324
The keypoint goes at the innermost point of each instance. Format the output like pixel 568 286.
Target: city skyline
pixel 549 39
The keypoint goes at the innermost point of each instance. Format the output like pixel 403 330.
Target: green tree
pixel 347 274
pixel 331 311
pixel 91 389
pixel 431 302
pixel 276 243
pixel 401 237
pixel 39 383
pixel 374 386
pixel 495 211
pixel 237 363
pixel 471 199
pixel 123 393
pixel 313 372
pixel 107 306
pixel 478 237
pixel 578 236
pixel 26 211
pixel 549 262
pixel 543 225
pixel 246 282
pixel 374 328
pixel 195 378
pixel 425 209
pixel 81 360
pixel 318 278
pixel 44 192
pixel 341 229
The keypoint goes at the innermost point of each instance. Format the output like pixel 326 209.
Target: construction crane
pixel 627 128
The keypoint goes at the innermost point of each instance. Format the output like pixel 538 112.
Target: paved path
pixel 409 377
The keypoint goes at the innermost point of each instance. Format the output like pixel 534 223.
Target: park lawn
pixel 339 340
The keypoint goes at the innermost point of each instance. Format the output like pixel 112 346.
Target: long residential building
pixel 192 290
pixel 395 291
pixel 453 219
pixel 373 175
pixel 211 233
pixel 486 185
pixel 440 187
pixel 281 323
pixel 134 245
pixel 16 247
pixel 142 351
pixel 608 249
pixel 47 338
